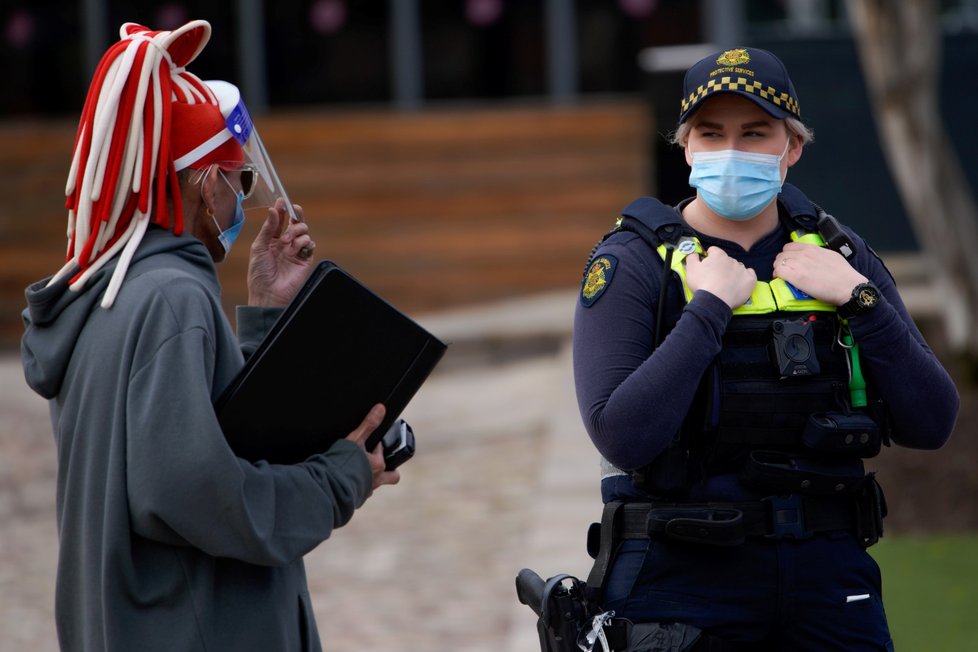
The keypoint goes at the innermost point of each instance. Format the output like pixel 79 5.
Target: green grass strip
pixel 930 590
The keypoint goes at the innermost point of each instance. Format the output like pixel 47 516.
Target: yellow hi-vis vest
pixel 767 297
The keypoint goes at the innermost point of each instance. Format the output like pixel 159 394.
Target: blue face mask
pixel 736 185
pixel 230 234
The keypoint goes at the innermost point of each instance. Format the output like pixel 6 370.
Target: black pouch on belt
pixel 853 434
pixel 785 473
pixel 870 510
pixel 708 525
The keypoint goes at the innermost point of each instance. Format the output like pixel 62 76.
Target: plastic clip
pixel 787 517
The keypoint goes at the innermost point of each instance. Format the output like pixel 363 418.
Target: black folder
pixel 335 351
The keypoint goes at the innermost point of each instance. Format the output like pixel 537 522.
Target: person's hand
pixel 817 271
pixel 720 275
pixel 281 258
pixel 375 457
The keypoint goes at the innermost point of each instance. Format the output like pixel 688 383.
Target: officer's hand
pixel 281 258
pixel 720 275
pixel 817 271
pixel 375 457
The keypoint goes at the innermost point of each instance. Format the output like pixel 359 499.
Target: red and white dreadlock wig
pixel 145 118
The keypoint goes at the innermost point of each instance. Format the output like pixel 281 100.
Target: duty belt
pixel 730 524
pixel 792 516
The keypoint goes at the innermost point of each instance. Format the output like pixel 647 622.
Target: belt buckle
pixel 787 517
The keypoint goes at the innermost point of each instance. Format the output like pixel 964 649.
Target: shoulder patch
pixel 598 278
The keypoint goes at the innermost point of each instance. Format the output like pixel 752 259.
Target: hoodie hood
pixel 56 315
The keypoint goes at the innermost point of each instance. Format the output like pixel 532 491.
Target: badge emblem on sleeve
pixel 598 278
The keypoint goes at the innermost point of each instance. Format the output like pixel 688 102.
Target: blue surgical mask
pixel 230 234
pixel 737 185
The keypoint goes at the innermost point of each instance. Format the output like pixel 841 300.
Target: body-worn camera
pixel 398 444
pixel 793 348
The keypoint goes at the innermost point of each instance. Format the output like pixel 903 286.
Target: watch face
pixel 867 297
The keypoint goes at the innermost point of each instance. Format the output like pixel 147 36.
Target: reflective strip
pixel 788 297
pixel 684 247
pixel 791 299
pixel 807 238
pixel 761 301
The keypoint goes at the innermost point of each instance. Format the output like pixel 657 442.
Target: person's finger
pixel 376 459
pixel 799 246
pixel 295 235
pixel 368 425
pixel 296 229
pixel 272 226
pixel 285 218
pixel 780 265
pixel 295 216
pixel 716 252
pixel 378 466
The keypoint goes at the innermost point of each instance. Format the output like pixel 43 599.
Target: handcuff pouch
pixel 854 434
pixel 786 473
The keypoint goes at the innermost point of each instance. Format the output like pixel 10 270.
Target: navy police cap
pixel 755 74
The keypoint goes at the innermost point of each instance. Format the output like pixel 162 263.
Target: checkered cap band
pixel 728 83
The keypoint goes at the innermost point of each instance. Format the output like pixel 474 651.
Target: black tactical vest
pixel 779 405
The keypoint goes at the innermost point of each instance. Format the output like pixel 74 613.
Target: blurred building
pixel 413 54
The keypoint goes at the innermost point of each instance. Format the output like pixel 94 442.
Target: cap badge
pixel 734 57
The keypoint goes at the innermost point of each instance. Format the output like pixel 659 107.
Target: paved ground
pixel 505 478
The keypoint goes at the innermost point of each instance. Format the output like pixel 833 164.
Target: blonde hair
pixel 794 126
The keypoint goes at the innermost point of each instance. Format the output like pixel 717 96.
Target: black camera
pixel 398 444
pixel 793 348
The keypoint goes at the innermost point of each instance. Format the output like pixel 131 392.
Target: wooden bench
pixel 435 209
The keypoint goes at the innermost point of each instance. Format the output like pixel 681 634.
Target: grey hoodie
pixel 167 540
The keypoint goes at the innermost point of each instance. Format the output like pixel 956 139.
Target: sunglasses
pixel 248 175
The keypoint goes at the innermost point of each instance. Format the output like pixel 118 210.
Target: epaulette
pixel 656 222
pixel 809 216
pixel 800 209
pixel 650 219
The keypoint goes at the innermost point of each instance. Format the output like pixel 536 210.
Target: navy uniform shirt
pixel 633 399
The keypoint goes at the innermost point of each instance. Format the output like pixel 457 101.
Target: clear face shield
pixel 259 180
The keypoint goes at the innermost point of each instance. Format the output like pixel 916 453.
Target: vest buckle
pixel 787 517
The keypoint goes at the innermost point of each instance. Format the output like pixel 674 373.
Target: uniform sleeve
pixel 919 394
pixel 185 486
pixel 633 399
